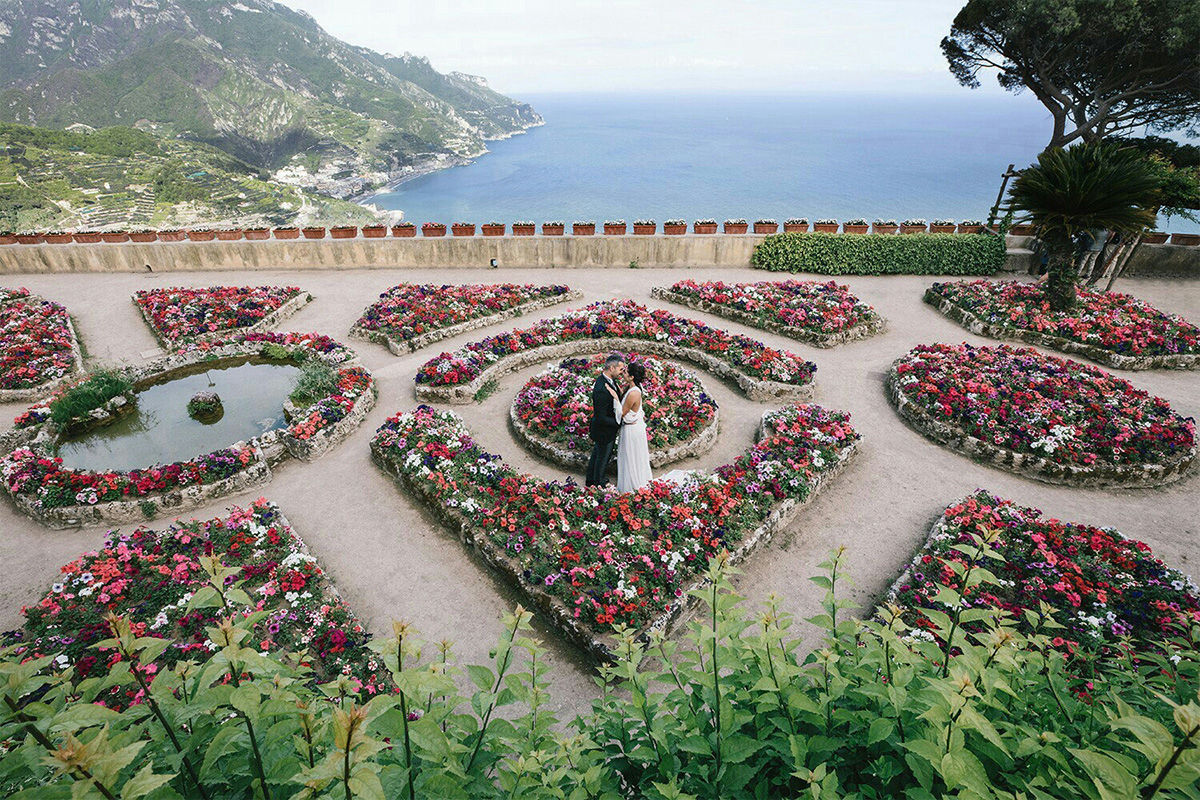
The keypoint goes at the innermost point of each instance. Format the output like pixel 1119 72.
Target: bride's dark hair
pixel 636 371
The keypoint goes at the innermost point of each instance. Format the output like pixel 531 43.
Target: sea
pixel 720 156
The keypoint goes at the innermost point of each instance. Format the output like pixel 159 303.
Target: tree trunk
pixel 1119 268
pixel 1060 285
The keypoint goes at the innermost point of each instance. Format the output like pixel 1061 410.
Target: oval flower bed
pixel 821 314
pixel 411 316
pixel 593 559
pixel 150 576
pixel 1047 418
pixel 178 314
pixel 552 412
pixel 1117 330
pixel 62 497
pixel 762 372
pixel 1101 586
pixel 38 348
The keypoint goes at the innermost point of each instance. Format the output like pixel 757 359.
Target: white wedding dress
pixel 633 449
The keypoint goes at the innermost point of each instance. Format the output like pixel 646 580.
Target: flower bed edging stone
pixel 755 389
pixel 1100 355
pixel 601 647
pixel 270 320
pixel 1025 464
pixel 327 438
pixel 402 347
pixel 38 392
pixel 862 331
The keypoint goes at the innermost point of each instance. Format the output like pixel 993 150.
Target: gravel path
pixel 392 561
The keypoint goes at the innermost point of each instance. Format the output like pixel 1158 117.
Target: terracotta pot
pixel 583 230
pixel 855 228
pixel 59 238
pixel 1155 237
pixel 884 229
pixel 970 228
pixel 143 236
pixel 374 231
pixel 614 230
pixel 675 230
pixel 91 237
pixel 463 230
pixel 313 233
pixel 201 236
pixel 257 234
pixel 913 229
pixel 644 230
pixel 941 228
pixel 286 233
pixel 524 230
pixel 736 227
pixel 795 227
pixel 171 236
pixel 343 231
pixel 30 238
pixel 1021 230
pixel 404 231
pixel 553 230
pixel 766 227
pixel 229 235
pixel 1187 239
pixel 493 230
pixel 438 230
pixel 704 227
pixel 825 227
pixel 114 237
pixel 8 238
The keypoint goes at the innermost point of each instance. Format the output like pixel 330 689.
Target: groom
pixel 604 427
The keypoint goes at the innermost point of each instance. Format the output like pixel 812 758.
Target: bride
pixel 633 449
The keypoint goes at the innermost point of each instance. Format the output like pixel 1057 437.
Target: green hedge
pixel 864 254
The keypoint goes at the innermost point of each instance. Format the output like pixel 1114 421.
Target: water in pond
pixel 159 430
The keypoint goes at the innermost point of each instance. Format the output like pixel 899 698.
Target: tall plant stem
pixel 40 738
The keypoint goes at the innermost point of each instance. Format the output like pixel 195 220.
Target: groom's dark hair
pixel 613 358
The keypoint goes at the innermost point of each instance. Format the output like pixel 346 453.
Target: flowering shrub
pixel 1119 323
pixel 1056 409
pixel 408 311
pixel 36 345
pixel 626 319
pixel 43 478
pixel 181 313
pixel 1102 587
pixel 805 310
pixel 352 383
pixel 610 558
pixel 557 404
pixel 150 577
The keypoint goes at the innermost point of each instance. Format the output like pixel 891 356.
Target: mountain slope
pixel 254 78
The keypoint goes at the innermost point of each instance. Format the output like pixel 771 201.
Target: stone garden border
pixel 754 388
pixel 1142 476
pixel 876 325
pixel 698 445
pixel 1100 355
pixel 270 448
pixel 601 646
pixel 402 347
pixel 269 321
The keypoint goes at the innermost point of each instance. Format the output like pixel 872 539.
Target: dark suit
pixel 603 432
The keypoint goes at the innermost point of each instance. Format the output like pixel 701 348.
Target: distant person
pixel 604 425
pixel 633 451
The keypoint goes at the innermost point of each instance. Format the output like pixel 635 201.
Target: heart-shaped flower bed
pixel 1101 586
pixel 411 316
pixel 1117 330
pixel 179 314
pixel 594 559
pixel 149 577
pixel 821 314
pixel 761 371
pixel 552 412
pixel 38 348
pixel 1048 418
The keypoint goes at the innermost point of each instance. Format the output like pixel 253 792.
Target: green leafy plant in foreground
pixel 100 387
pixel 731 710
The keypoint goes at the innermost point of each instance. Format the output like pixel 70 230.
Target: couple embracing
pixel 617 409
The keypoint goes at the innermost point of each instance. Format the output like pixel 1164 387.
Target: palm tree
pixel 1087 187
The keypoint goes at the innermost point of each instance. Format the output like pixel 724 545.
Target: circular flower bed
pixel 178 313
pixel 1117 330
pixel 821 314
pixel 1048 418
pixel 552 412
pixel 38 349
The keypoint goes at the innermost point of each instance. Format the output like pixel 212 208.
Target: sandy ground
pixel 392 561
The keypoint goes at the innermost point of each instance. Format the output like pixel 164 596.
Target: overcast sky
pixel 530 46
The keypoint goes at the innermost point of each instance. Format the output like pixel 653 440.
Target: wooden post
pixel 1008 173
